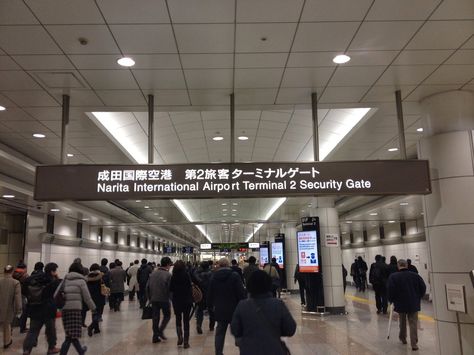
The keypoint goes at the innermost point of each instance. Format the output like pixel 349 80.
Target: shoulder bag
pixel 59 295
pixel 147 311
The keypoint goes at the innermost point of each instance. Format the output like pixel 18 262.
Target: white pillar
pixel 291 254
pixel 448 211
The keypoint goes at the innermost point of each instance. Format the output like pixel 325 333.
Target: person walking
pixel 260 321
pixel 405 290
pixel 10 303
pixel 76 293
pixel 392 266
pixel 235 268
pixel 354 274
pixel 225 292
pixel 20 274
pixel 378 278
pixel 203 276
pixel 250 268
pixel 272 269
pixel 143 273
pixel 133 282
pixel 158 292
pixel 298 276
pixel 412 267
pixel 39 290
pixel 94 284
pixel 362 273
pixel 117 280
pixel 344 277
pixel 182 297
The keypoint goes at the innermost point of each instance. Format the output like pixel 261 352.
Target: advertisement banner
pixel 264 256
pixel 332 240
pixel 277 253
pixel 308 251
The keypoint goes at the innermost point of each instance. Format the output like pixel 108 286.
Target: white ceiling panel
pixel 66 11
pixel 260 60
pixel 295 95
pixel 405 75
pixel 451 74
pixel 207 61
pixel 335 10
pixel 384 35
pixel 210 38
pixel 442 35
pixel 306 77
pixel 43 62
pixel 343 94
pixel 423 91
pixel 122 97
pixel 110 79
pixel 255 97
pixel 142 61
pixel 268 10
pixel 401 10
pixel 27 40
pixel 160 79
pixel 153 38
pixel 216 116
pixel 454 10
pixel 26 127
pixel 464 56
pixel 356 76
pixel 5 102
pixel 31 98
pixel 324 59
pixel 212 126
pixel 275 37
pixel 15 12
pixel 136 11
pixel 386 93
pixel 81 98
pixel 279 118
pixel 418 57
pixel 44 114
pixel 17 80
pixel 6 63
pixel 258 78
pixel 210 97
pixel 100 41
pixel 208 78
pixel 192 127
pixel 314 36
pixel 171 97
pixel 185 117
pixel 203 11
pixel 246 125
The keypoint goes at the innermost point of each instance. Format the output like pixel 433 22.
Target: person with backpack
pixel 272 269
pixel 378 276
pixel 182 299
pixel 20 274
pixel 10 304
pixel 362 273
pixel 203 276
pixel 259 321
pixel 39 290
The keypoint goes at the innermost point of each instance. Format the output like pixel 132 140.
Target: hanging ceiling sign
pixel 126 182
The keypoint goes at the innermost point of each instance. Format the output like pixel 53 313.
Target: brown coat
pixel 10 299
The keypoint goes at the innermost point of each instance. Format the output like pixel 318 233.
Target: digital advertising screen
pixel 308 251
pixel 264 259
pixel 278 254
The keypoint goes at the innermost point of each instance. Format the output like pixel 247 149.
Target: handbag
pixel 59 295
pixel 197 293
pixel 271 327
pixel 147 311
pixel 275 280
pixel 104 290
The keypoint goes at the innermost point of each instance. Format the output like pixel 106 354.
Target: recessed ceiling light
pixel 126 62
pixel 217 138
pixel 39 135
pixel 235 204
pixel 2 108
pixel 349 222
pixel 224 209
pixel 224 214
pixel 403 203
pixel 392 149
pixel 233 215
pixel 242 138
pixel 70 155
pixel 373 214
pixel 419 129
pixel 234 210
pixel 8 196
pixel 55 210
pixel 164 220
pixel 155 214
pixel 341 59
pixel 146 207
pixel 138 201
pixel 224 204
pixel 391 221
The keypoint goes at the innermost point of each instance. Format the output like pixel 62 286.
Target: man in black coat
pixel 405 290
pixel 224 293
pixel 378 278
pixel 143 274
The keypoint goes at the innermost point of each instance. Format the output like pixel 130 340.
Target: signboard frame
pixel 456 298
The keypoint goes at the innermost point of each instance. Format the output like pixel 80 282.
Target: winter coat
pixel 405 289
pixel 392 268
pixel 143 275
pixel 378 274
pixel 248 271
pixel 47 308
pixel 258 323
pixel 132 273
pixel 94 282
pixel 181 290
pixel 76 292
pixel 203 277
pixel 117 280
pixel 238 270
pixel 224 293
pixel 158 287
pixel 10 299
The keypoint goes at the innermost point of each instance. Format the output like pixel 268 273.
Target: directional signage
pixel 125 182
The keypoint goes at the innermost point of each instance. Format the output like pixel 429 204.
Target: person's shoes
pixel 100 319
pixel 6 346
pixel 89 331
pixel 96 331
pixel 379 311
pixel 53 351
pixel 23 331
pixel 186 346
pixel 156 340
pixel 414 348
pixel 84 350
pixel 199 330
pixel 162 336
pixel 404 341
pixel 84 325
pixel 385 312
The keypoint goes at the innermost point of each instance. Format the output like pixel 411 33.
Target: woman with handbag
pixel 75 292
pixel 260 321
pixel 182 298
pixel 272 269
pixel 94 284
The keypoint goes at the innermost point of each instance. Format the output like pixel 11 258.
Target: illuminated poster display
pixel 277 253
pixel 264 256
pixel 308 251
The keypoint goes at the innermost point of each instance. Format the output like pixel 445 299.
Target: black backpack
pixel 35 292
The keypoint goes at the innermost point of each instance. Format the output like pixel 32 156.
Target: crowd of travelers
pixel 243 300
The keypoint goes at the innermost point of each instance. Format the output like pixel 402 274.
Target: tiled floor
pixel 360 332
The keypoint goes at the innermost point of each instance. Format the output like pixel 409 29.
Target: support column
pixel 291 254
pixel 448 120
pixel 314 111
pixel 151 131
pixel 401 125
pixel 64 129
pixel 331 257
pixel 232 128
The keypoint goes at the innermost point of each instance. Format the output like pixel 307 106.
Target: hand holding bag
pixel 147 311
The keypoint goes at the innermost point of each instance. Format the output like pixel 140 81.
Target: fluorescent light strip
pixel 187 214
pixel 271 211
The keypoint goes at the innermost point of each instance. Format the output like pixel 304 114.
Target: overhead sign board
pixel 254 245
pixel 125 182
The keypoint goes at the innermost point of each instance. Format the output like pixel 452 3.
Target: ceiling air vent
pixel 60 80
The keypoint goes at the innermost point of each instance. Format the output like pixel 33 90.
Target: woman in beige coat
pixel 10 304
